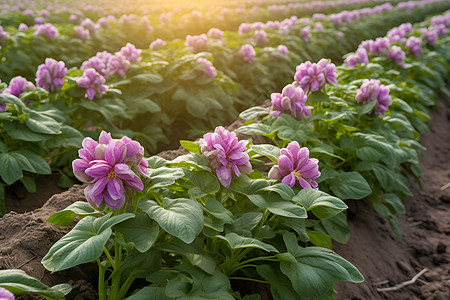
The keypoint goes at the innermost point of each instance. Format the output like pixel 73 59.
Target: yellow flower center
pixel 297 174
pixel 111 174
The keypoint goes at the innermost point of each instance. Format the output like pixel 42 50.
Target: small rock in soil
pixel 445 198
pixel 441 248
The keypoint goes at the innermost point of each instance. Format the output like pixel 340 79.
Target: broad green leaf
pixel 180 217
pixel 247 222
pixel 69 137
pixel 278 206
pixel 198 161
pixel 324 149
pixel 8 98
pixel 292 129
pixel 236 242
pixel 140 230
pixel 204 183
pixel 3 147
pixel 38 164
pixel 364 109
pixel 314 270
pixel 280 285
pixel 19 283
pixel 84 243
pixel 179 286
pixel 319 239
pixel 156 162
pixel 190 146
pixel 320 203
pixel 41 123
pixel 20 131
pixel 66 216
pixel 285 191
pixel 270 151
pixel 216 209
pixel 29 183
pixel 142 264
pixel 164 176
pixel 254 112
pixel 150 292
pixel 395 202
pixel 337 227
pixel 11 170
pixel 148 78
pixel 255 129
pixel 369 154
pixel 350 185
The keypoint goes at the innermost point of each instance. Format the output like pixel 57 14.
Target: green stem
pixel 101 281
pixel 247 262
pixel 249 279
pixel 126 285
pixel 116 275
pixel 109 257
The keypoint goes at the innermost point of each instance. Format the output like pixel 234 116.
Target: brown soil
pixel 384 261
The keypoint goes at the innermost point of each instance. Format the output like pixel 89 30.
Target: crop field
pixel 252 149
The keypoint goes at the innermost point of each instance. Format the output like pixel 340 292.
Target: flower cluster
pixel 93 82
pixel 282 49
pixel 216 33
pixel 313 76
pixel 81 33
pixel 18 85
pixel 247 52
pixel 414 45
pixel 295 166
pixel 197 43
pixel 305 33
pixel 90 25
pixel 3 34
pixel 117 63
pixel 48 30
pixel 373 90
pixel 130 52
pixel 50 75
pixel 209 70
pixel 157 44
pixel 227 154
pixel 292 101
pixel 360 57
pixel 107 167
pixel 397 55
pixel 260 38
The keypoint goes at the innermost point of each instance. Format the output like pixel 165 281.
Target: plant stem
pixel 101 281
pixel 116 274
pixel 126 285
pixel 247 262
pixel 249 279
pixel 109 257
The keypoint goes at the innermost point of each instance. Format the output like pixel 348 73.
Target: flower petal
pixel 224 174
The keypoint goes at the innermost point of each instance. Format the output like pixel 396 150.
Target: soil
pixel 25 237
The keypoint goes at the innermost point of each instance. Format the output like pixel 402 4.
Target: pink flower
pixel 360 57
pixel 197 43
pixel 209 70
pixel 106 166
pixel 329 70
pixel 96 63
pixel 18 85
pixel 373 90
pixel 93 82
pixel 50 75
pixel 292 101
pixel 260 38
pixel 397 55
pixel 227 154
pixel 48 30
pixel 415 45
pixel 130 52
pixel 380 45
pixel 22 27
pixel 81 33
pixel 247 52
pixel 3 34
pixel 216 33
pixel 5 294
pixel 90 25
pixel 305 33
pixel 282 49
pixel 157 44
pixel 309 76
pixel 117 64
pixel 244 28
pixel 295 166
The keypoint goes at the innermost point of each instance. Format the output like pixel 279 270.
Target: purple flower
pixel 292 101
pixel 93 82
pixel 260 38
pixel 294 165
pixel 197 43
pixel 96 63
pixel 367 44
pixel 305 33
pixel 216 33
pixel 209 70
pixel 380 45
pixel 328 69
pixel 50 75
pixel 117 64
pixel 22 27
pixel 18 85
pixel 360 57
pixel 309 76
pixel 415 45
pixel 90 25
pixel 430 35
pixel 247 52
pixel 227 154
pixel 339 35
pixel 157 44
pixel 106 166
pixel 282 49
pixel 48 30
pixel 373 90
pixel 81 33
pixel 397 55
pixel 3 34
pixel 5 294
pixel 39 20
pixel 28 12
pixel 244 28
pixel 318 26
pixel 130 52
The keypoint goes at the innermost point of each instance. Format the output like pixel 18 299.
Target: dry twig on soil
pixel 403 284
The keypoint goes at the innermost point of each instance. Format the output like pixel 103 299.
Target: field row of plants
pixel 149 94
pixel 231 210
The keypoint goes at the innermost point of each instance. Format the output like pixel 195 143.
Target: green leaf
pixel 140 230
pixel 150 292
pixel 254 112
pixel 11 170
pixel 142 264
pixel 8 98
pixel 84 243
pixel 20 131
pixel 255 129
pixel 148 78
pixel 41 123
pixel 337 227
pixel 319 239
pixel 277 206
pixel 395 202
pixel 369 154
pixel 182 218
pixel 280 285
pixel 350 185
pixel 314 270
pixel 29 184
pixel 65 217
pixel 364 109
pixel 69 137
pixel 270 151
pixel 285 191
pixel 292 129
pixel 236 242
pixel 164 176
pixel 19 282
pixel 320 203
pixel 204 183
pixel 190 146
pixel 37 163
pixel 221 214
